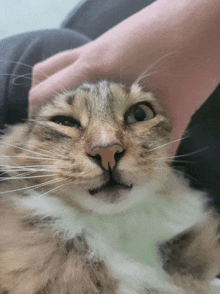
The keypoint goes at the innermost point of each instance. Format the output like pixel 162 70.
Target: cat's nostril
pixel 97 158
pixel 118 155
pixel 108 156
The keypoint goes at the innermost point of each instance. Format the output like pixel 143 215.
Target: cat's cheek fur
pixel 36 261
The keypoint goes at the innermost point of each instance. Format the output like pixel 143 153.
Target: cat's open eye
pixel 138 113
pixel 65 121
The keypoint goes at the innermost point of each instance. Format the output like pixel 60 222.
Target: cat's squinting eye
pixel 139 113
pixel 65 121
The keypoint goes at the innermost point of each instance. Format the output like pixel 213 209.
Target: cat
pixel 90 203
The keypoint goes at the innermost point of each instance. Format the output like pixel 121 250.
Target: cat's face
pixel 101 141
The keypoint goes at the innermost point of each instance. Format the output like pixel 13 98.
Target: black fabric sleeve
pixel 95 17
pixel 18 54
pixel 198 155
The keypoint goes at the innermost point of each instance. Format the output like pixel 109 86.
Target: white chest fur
pixel 127 241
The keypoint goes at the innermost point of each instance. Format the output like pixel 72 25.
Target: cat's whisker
pixel 160 171
pixel 45 152
pixel 176 171
pixel 145 73
pixel 24 171
pixel 7 171
pixel 184 161
pixel 18 167
pixel 24 64
pixel 22 166
pixel 171 142
pixel 17 76
pixel 24 76
pixel 28 171
pixel 184 155
pixel 181 161
pixel 28 157
pixel 23 174
pixel 28 168
pixel 161 167
pixel 24 149
pixel 63 90
pixel 54 189
pixel 34 186
pixel 26 177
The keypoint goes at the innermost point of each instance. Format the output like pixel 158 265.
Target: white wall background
pixel 17 16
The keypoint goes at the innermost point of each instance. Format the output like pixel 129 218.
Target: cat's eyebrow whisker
pixel 152 65
pixel 61 90
pixel 25 76
pixel 24 64
pixel 144 75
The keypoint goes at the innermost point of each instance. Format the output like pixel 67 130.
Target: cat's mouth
pixel 111 186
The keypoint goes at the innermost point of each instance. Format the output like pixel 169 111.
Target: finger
pixel 67 78
pixel 50 66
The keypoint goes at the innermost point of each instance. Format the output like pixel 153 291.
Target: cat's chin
pixel 111 188
pixel 111 192
pixel 102 200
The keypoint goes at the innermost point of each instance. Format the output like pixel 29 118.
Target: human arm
pixel 182 37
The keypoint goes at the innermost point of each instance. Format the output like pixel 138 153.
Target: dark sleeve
pixel 198 155
pixel 18 54
pixel 94 17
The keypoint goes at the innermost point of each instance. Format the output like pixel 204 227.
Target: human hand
pixel 137 44
pixel 64 70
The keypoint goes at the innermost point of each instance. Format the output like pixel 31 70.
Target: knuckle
pixel 32 95
pixel 37 69
pixel 37 74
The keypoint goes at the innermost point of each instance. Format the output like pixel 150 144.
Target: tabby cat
pixel 89 203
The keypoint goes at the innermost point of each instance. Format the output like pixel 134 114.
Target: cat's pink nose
pixel 108 155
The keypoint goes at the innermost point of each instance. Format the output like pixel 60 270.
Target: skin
pixel 175 44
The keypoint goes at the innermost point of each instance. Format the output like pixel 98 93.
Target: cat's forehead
pixel 101 99
pixel 104 95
